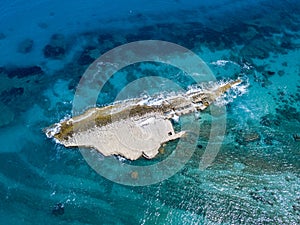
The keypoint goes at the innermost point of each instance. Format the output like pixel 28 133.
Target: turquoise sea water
pixel 47 45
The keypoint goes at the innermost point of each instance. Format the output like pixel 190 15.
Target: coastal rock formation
pixel 135 127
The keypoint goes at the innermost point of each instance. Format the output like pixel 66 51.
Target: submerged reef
pixel 56 47
pixel 22 72
pixel 135 127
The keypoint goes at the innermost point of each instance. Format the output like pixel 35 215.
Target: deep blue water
pixel 47 45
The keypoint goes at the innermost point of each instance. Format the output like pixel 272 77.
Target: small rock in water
pixel 247 137
pixel 253 136
pixel 239 166
pixel 296 208
pixel 134 175
pixel 296 137
pixel 199 146
pixel 25 46
pixel 270 72
pixel 59 209
pixel 162 150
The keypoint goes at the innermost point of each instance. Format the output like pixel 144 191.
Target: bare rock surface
pixel 134 127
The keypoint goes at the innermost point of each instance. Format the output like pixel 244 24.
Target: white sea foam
pixel 222 62
pixel 234 92
pixel 51 131
pixel 66 117
pixel 208 87
pixel 247 66
pixel 121 159
pixel 175 118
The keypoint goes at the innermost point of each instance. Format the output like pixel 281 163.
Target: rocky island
pixel 135 127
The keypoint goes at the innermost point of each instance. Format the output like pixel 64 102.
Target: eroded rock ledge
pixel 135 127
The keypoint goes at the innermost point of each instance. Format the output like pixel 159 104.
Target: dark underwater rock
pixel 56 49
pixel 296 137
pixel 245 137
pixel 25 46
pixel 8 95
pixel 268 141
pixel 149 31
pixel 24 72
pixel 105 37
pixel 269 120
pixel 53 51
pixel 286 43
pixel 266 121
pixel 58 40
pixel 259 48
pixel 132 37
pixel 270 72
pixel 250 52
pixel 2 36
pixel 58 209
pixel 15 91
pixel 199 146
pixel 296 208
pixel 85 58
pixel 288 112
pixel 261 198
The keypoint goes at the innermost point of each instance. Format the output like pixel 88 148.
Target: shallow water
pixel 255 176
